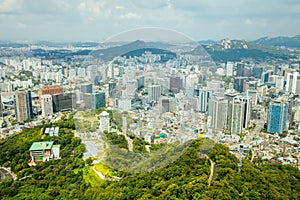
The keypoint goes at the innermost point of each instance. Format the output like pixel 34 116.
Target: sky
pixel 97 20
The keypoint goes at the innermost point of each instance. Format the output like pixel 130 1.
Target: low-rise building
pixel 43 151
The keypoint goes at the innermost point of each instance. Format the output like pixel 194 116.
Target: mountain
pixel 13 44
pixel 229 44
pixel 290 42
pixel 112 52
pixel 206 42
pixel 200 172
pixel 188 178
pixel 165 55
pixel 235 50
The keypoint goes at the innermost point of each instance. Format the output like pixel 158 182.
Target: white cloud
pixel 130 16
pixel 248 22
pixel 118 7
pixel 8 6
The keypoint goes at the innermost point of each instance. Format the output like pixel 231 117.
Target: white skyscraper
pixel 81 72
pixel 237 116
pixel 190 83
pixel 104 121
pixel 218 112
pixel 131 87
pixel 279 82
pixel 165 85
pixel 229 68
pixel 154 92
pixel 47 107
pixel 293 83
pixel 253 95
pixel 72 73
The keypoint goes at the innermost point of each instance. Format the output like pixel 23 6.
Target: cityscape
pixel 150 113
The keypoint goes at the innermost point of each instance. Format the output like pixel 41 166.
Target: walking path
pixel 213 171
pixel 99 173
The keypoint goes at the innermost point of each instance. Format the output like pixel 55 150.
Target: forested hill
pixel 186 178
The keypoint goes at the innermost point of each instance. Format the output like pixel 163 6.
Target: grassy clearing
pixel 91 177
pixel 103 169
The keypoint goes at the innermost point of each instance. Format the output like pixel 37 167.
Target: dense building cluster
pixel 168 98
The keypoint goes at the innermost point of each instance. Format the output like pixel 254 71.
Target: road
pixel 99 173
pixel 256 131
pixel 130 142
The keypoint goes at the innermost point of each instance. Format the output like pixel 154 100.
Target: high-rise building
pixel 175 84
pixel 72 73
pixel 218 112
pixel 191 82
pixel 235 112
pixel 52 89
pixel 165 85
pixel 154 92
pixel 131 88
pixel 247 111
pixel 253 95
pixel 278 116
pixel 167 104
pixel 238 83
pixel 87 101
pixel 141 82
pixel 98 100
pixel 112 89
pixel 229 68
pixel 293 83
pixel 81 72
pixel 279 82
pixel 257 72
pixel 204 95
pixel 93 101
pixel 63 101
pixel 86 88
pixel 47 107
pixel 266 76
pixel 104 121
pixel 23 105
pixel 236 115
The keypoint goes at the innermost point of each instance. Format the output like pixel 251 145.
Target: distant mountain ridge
pixel 291 42
pixel 235 50
pixel 112 52
pixel 223 50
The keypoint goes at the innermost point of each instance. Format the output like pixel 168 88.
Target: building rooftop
pixel 41 146
pixel 104 114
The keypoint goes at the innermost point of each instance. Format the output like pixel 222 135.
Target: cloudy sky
pixel 96 20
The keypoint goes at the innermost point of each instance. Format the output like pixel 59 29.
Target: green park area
pixel 86 121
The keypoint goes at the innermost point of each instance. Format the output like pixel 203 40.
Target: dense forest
pixel 186 178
